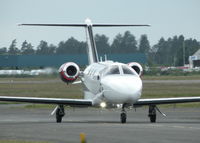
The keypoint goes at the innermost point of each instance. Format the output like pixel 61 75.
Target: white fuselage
pixel 111 82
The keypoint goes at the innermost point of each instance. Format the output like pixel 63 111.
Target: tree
pixel 3 51
pixel 129 43
pixel 179 53
pixel 117 43
pixel 42 48
pixel 102 44
pixel 160 51
pixel 61 48
pixel 124 44
pixel 71 46
pixel 52 49
pixel 144 46
pixel 27 48
pixel 13 50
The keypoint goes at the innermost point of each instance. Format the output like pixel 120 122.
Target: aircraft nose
pixel 122 89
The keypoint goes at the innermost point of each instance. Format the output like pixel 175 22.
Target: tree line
pixel 172 51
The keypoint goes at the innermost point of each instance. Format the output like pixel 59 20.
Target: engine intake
pixel 137 67
pixel 69 72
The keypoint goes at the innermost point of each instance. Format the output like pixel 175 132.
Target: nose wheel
pixel 123 115
pixel 60 112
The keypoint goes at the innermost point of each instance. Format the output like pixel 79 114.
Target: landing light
pixel 119 105
pixel 103 105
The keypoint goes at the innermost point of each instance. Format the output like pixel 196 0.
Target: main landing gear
pixel 152 113
pixel 123 114
pixel 60 112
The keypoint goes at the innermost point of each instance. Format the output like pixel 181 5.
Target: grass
pixel 57 89
pixel 159 90
pixel 40 106
pixel 192 77
pixel 36 78
pixel 18 141
pixel 61 90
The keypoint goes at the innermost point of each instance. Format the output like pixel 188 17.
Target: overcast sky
pixel 166 17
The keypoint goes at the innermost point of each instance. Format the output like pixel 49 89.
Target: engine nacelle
pixel 69 72
pixel 137 67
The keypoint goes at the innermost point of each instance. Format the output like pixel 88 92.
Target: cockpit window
pixel 126 70
pixel 113 70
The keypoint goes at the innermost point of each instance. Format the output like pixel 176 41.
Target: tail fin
pixel 91 46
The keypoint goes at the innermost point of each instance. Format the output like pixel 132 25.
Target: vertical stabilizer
pixel 91 46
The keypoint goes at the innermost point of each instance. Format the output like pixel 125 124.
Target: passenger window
pixel 126 70
pixel 113 70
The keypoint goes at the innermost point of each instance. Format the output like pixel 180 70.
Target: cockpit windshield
pixel 119 69
pixel 113 70
pixel 126 70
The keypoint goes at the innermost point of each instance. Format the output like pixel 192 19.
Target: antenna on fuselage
pixel 105 56
pixel 101 59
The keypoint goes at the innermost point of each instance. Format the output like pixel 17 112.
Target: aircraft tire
pixel 152 118
pixel 58 119
pixel 59 115
pixel 123 118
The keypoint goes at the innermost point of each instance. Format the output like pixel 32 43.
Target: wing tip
pixel 19 24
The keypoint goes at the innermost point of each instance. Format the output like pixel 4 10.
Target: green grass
pixel 42 106
pixel 57 89
pixel 18 141
pixel 192 77
pixel 36 78
pixel 155 90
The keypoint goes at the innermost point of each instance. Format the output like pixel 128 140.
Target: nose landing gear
pixel 123 115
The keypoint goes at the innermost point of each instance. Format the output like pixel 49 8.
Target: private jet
pixel 104 82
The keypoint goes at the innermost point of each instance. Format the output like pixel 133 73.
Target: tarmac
pixel 182 125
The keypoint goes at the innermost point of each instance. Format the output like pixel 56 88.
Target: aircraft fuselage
pixel 115 83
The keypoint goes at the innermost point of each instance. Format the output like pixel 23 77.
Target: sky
pixel 166 17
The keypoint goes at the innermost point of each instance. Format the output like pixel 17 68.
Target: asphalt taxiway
pixel 182 125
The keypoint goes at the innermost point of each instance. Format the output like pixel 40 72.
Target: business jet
pixel 104 82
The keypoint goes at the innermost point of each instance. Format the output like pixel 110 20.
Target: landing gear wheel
pixel 152 113
pixel 123 117
pixel 58 116
pixel 152 118
pixel 60 112
pixel 123 114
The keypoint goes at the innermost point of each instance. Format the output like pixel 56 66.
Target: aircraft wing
pixel 155 101
pixel 63 101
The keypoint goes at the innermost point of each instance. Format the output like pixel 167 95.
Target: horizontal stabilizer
pixel 74 25
pixel 118 25
pixel 84 25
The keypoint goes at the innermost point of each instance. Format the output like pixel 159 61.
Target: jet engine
pixel 137 67
pixel 69 72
